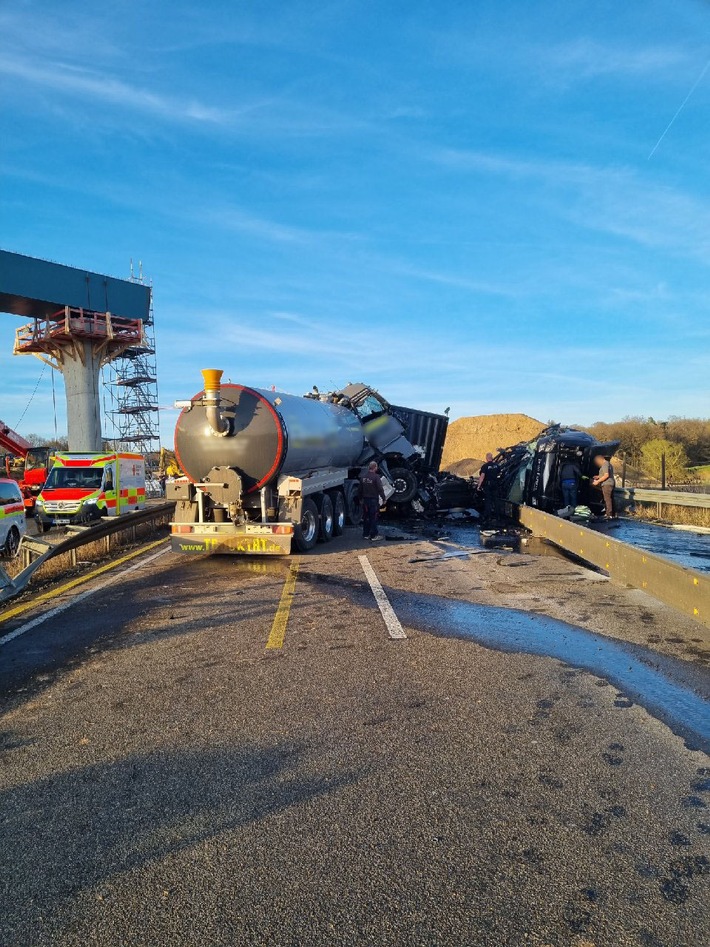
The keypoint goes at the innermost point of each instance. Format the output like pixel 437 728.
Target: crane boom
pixel 12 441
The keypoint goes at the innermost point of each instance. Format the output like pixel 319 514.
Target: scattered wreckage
pixel 267 470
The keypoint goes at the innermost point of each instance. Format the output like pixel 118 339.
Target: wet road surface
pixel 165 779
pixel 688 548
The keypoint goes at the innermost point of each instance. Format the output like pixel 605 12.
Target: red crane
pixel 32 473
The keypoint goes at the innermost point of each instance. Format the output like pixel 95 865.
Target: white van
pixel 12 517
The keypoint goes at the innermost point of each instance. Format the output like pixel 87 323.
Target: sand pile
pixel 469 439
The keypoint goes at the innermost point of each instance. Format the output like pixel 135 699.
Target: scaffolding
pixel 131 394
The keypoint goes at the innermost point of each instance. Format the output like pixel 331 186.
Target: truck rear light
pixel 282 530
pixel 183 529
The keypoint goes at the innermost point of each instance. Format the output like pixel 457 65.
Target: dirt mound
pixel 467 467
pixel 469 438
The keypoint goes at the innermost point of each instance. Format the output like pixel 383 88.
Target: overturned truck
pixel 267 470
pixel 530 471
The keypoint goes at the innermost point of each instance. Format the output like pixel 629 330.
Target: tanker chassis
pixel 267 471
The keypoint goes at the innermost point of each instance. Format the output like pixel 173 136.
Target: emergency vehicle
pixel 12 517
pixel 84 487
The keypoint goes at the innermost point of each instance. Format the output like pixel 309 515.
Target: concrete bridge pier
pixel 81 382
pixel 77 342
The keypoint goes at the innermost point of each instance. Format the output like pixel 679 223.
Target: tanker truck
pixel 268 471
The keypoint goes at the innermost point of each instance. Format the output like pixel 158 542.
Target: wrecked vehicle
pixel 530 471
pixel 266 469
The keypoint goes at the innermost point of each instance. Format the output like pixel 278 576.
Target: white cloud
pixel 105 88
pixel 587 58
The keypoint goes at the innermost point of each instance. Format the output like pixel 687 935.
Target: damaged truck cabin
pixel 530 471
pixel 267 470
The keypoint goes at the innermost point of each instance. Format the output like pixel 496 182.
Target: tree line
pixel 685 442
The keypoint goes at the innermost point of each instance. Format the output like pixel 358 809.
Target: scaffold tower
pixel 131 382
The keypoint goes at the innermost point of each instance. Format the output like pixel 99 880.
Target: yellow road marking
pixel 54 593
pixel 278 629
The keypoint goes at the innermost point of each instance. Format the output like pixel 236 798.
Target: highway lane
pixel 168 779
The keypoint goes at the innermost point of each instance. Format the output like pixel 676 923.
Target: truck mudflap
pixel 254 540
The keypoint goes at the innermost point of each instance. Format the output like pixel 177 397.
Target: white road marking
pixel 383 603
pixel 45 616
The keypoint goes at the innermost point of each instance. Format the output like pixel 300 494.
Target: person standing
pixel 570 475
pixel 488 483
pixel 372 495
pixel 606 483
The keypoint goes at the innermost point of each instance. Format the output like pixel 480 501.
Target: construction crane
pixel 31 471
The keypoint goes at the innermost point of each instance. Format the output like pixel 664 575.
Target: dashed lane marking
pixel 45 616
pixel 278 629
pixel 394 627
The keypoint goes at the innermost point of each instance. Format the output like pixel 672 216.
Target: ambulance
pixel 81 488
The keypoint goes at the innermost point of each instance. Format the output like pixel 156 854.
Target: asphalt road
pixel 167 779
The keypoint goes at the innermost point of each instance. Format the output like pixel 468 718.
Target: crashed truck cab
pixel 266 470
pixel 385 439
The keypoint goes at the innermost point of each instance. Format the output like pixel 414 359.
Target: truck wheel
pixel 41 526
pixel 353 508
pixel 338 512
pixel 12 543
pixel 305 534
pixel 405 484
pixel 326 519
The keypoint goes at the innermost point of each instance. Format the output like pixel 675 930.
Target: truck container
pixel 81 488
pixel 265 469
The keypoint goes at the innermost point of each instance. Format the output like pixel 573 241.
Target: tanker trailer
pixel 264 469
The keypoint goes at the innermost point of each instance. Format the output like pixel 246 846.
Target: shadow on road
pixel 79 829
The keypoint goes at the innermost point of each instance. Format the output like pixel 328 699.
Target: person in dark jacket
pixel 488 482
pixel 372 495
pixel 606 483
pixel 570 475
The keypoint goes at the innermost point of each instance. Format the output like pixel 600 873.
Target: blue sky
pixel 453 201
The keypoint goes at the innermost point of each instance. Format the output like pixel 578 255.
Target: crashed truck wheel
pixel 353 509
pixel 326 519
pixel 305 535
pixel 338 512
pixel 405 485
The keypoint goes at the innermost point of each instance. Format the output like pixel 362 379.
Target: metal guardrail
pixel 663 497
pixel 684 589
pixel 45 551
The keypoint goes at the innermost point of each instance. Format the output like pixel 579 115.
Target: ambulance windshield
pixel 82 478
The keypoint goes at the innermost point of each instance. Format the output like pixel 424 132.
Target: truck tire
pixel 305 535
pixel 405 484
pixel 353 509
pixel 338 512
pixel 12 543
pixel 326 519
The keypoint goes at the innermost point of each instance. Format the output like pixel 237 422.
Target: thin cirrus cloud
pixel 94 85
pixel 612 199
pixel 587 58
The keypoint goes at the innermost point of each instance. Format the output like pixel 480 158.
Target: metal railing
pixel 36 552
pixel 684 589
pixel 628 495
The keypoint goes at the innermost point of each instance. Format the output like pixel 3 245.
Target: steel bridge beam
pixel 37 288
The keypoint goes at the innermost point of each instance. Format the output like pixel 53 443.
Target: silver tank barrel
pixel 270 433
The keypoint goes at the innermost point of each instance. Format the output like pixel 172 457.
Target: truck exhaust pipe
pixel 212 379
